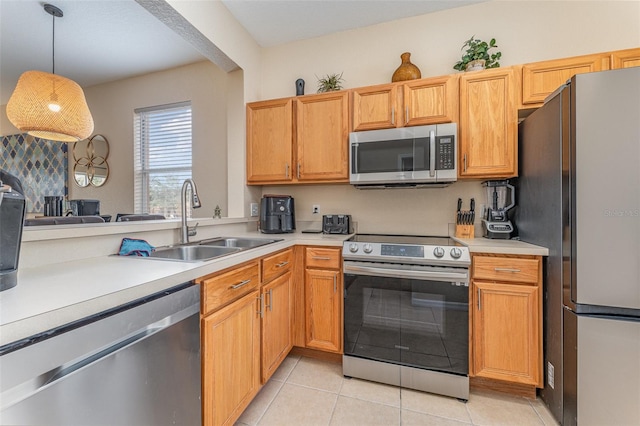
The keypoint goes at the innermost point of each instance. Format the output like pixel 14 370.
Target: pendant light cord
pixel 53 45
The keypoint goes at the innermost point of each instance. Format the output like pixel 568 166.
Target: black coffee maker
pixel 12 207
pixel 277 214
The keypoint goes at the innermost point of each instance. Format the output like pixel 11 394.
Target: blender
pixel 500 199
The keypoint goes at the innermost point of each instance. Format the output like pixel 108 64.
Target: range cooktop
pixel 411 249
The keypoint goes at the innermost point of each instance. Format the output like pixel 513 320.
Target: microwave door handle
pixel 432 153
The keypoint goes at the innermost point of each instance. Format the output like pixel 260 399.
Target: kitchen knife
pixel 459 214
pixel 473 211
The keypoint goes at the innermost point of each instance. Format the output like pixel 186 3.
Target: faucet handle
pixel 192 231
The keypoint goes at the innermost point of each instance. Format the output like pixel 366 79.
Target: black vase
pixel 299 87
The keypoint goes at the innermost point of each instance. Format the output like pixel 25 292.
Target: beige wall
pixel 526 31
pixel 112 106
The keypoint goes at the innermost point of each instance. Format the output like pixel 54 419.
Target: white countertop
pixel 486 245
pixel 54 295
pixel 50 296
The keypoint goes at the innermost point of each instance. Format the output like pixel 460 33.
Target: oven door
pixel 411 315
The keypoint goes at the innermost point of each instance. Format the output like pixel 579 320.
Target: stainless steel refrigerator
pixel 579 195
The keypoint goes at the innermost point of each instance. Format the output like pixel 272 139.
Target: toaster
pixel 337 224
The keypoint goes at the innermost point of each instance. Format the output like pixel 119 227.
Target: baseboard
pixel 314 353
pixel 517 389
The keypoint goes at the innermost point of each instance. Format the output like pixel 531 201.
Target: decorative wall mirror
pixel 90 161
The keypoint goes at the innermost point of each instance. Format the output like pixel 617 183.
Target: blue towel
pixel 131 247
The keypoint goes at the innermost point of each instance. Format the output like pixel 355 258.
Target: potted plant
pixel 477 55
pixel 329 83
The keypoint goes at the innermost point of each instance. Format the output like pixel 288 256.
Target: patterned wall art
pixel 41 166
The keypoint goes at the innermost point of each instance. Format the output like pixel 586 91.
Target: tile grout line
pixel 335 404
pixel 284 382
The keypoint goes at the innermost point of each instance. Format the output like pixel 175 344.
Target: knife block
pixel 465 231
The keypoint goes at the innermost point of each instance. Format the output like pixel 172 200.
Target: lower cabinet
pixel 277 315
pixel 506 319
pixel 230 360
pixel 323 299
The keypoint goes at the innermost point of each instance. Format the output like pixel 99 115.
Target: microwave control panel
pixel 445 153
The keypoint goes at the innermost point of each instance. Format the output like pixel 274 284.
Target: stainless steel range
pixel 406 312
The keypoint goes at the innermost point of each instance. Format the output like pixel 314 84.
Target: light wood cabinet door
pixel 322 137
pixel 625 58
pixel 276 324
pixel 270 141
pixel 231 360
pixel 488 127
pixel 430 101
pixel 422 102
pixel 540 79
pixel 506 332
pixel 375 107
pixel 323 308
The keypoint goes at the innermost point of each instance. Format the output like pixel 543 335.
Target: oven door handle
pixel 400 273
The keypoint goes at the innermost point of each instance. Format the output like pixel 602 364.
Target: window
pixel 162 157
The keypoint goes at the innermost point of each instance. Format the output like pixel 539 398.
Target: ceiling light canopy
pixel 49 106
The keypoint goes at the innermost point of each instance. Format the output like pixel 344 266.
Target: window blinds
pixel 162 157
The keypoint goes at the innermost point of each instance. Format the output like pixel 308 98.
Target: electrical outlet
pixel 550 375
pixel 254 209
pixel 315 209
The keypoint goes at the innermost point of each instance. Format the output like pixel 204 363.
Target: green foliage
pixel 330 83
pixel 478 49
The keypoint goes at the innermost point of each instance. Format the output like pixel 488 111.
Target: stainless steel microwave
pixel 406 156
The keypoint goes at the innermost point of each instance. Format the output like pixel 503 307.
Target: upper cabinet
pixel 540 79
pixel 431 101
pixel 625 58
pixel 375 107
pixel 412 103
pixel 270 141
pixel 322 135
pixel 305 139
pixel 488 126
pixel 310 148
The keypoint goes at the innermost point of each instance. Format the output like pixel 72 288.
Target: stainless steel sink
pixel 191 253
pixel 201 251
pixel 241 243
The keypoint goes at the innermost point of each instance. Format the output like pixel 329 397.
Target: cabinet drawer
pixel 509 269
pixel 276 264
pixel 219 290
pixel 322 258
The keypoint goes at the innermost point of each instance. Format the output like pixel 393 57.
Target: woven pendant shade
pixel 50 106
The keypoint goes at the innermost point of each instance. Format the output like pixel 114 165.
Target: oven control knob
pixel 353 247
pixel 368 248
pixel 456 253
pixel 438 252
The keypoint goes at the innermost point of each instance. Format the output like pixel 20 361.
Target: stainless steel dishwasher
pixel 137 364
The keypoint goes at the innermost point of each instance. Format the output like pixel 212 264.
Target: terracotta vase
pixel 406 70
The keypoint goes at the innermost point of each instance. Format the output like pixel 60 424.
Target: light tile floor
pixel 307 392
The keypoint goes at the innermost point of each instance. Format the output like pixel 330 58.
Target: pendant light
pixel 49 106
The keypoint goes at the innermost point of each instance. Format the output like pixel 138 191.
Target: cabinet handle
pixel 281 264
pixel 286 170
pixel 393 115
pixel 321 258
pixel 406 115
pixel 479 303
pixel 335 283
pixel 464 160
pixel 270 305
pixel 298 170
pixel 260 308
pixel 240 284
pixel 506 270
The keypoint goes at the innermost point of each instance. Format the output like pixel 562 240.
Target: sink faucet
pixel 187 231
